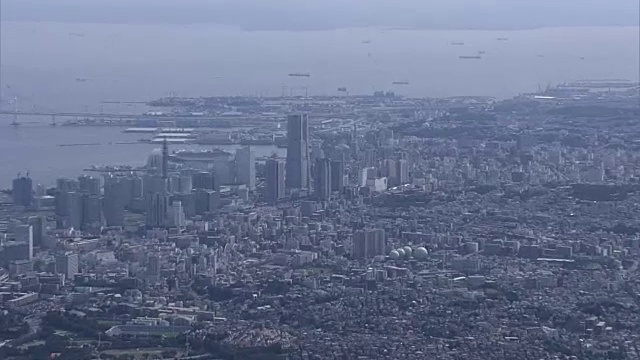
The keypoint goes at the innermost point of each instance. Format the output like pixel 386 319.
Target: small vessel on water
pixel 468 57
pixel 481 52
pixel 300 75
pixel 82 79
pixel 342 89
pixel 503 39
pixel 458 43
pixel 366 41
pixel 400 83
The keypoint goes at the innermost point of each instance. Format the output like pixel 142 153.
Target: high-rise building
pixel 246 167
pixel 74 210
pixel 89 185
pixel 389 170
pixel 91 210
pixel 322 179
pixel 157 209
pixel 22 191
pixel 116 196
pixel 275 180
pixel 204 180
pixel 175 215
pixel 369 243
pixel 297 166
pixel 337 175
pixel 24 234
pixel 402 171
pixel 165 158
pixel 67 264
pixel 39 224
pixel 153 266
pixel 63 188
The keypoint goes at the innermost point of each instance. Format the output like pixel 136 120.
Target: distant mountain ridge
pixel 332 14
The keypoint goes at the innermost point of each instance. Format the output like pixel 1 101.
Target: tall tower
pixel 322 179
pixel 297 152
pixel 275 180
pixel 22 190
pixel 165 158
pixel 246 167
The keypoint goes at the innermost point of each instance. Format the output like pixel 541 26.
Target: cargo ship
pixel 466 57
pixel 459 43
pixel 400 83
pixel 300 75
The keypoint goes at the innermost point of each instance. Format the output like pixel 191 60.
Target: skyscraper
pixel 24 234
pixel 39 224
pixel 22 190
pixel 297 165
pixel 89 185
pixel 67 264
pixel 337 175
pixel 74 210
pixel 157 209
pixel 322 179
pixel 275 180
pixel 246 167
pixel 204 180
pixel 117 195
pixel 402 171
pixel 175 216
pixel 91 210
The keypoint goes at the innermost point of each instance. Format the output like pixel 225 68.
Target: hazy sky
pixel 328 14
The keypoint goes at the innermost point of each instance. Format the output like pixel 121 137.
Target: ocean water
pixel 41 62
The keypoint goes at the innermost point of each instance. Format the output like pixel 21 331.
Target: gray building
pixel 369 243
pixel 275 180
pixel 67 264
pixel 24 234
pixel 322 179
pixel 337 175
pixel 22 191
pixel 89 185
pixel 297 165
pixel 39 225
pixel 246 167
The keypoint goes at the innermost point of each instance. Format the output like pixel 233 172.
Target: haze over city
pixel 253 179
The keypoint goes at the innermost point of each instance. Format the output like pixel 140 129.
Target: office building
pixel 322 179
pixel 246 167
pixel 73 210
pixel 369 243
pixel 67 265
pixel 204 180
pixel 89 185
pixel 22 191
pixel 175 215
pixel 156 214
pixel 297 165
pixel 24 234
pixel 275 180
pixel 402 172
pixel 337 175
pixel 91 210
pixel 116 197
pixel 153 266
pixel 39 225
